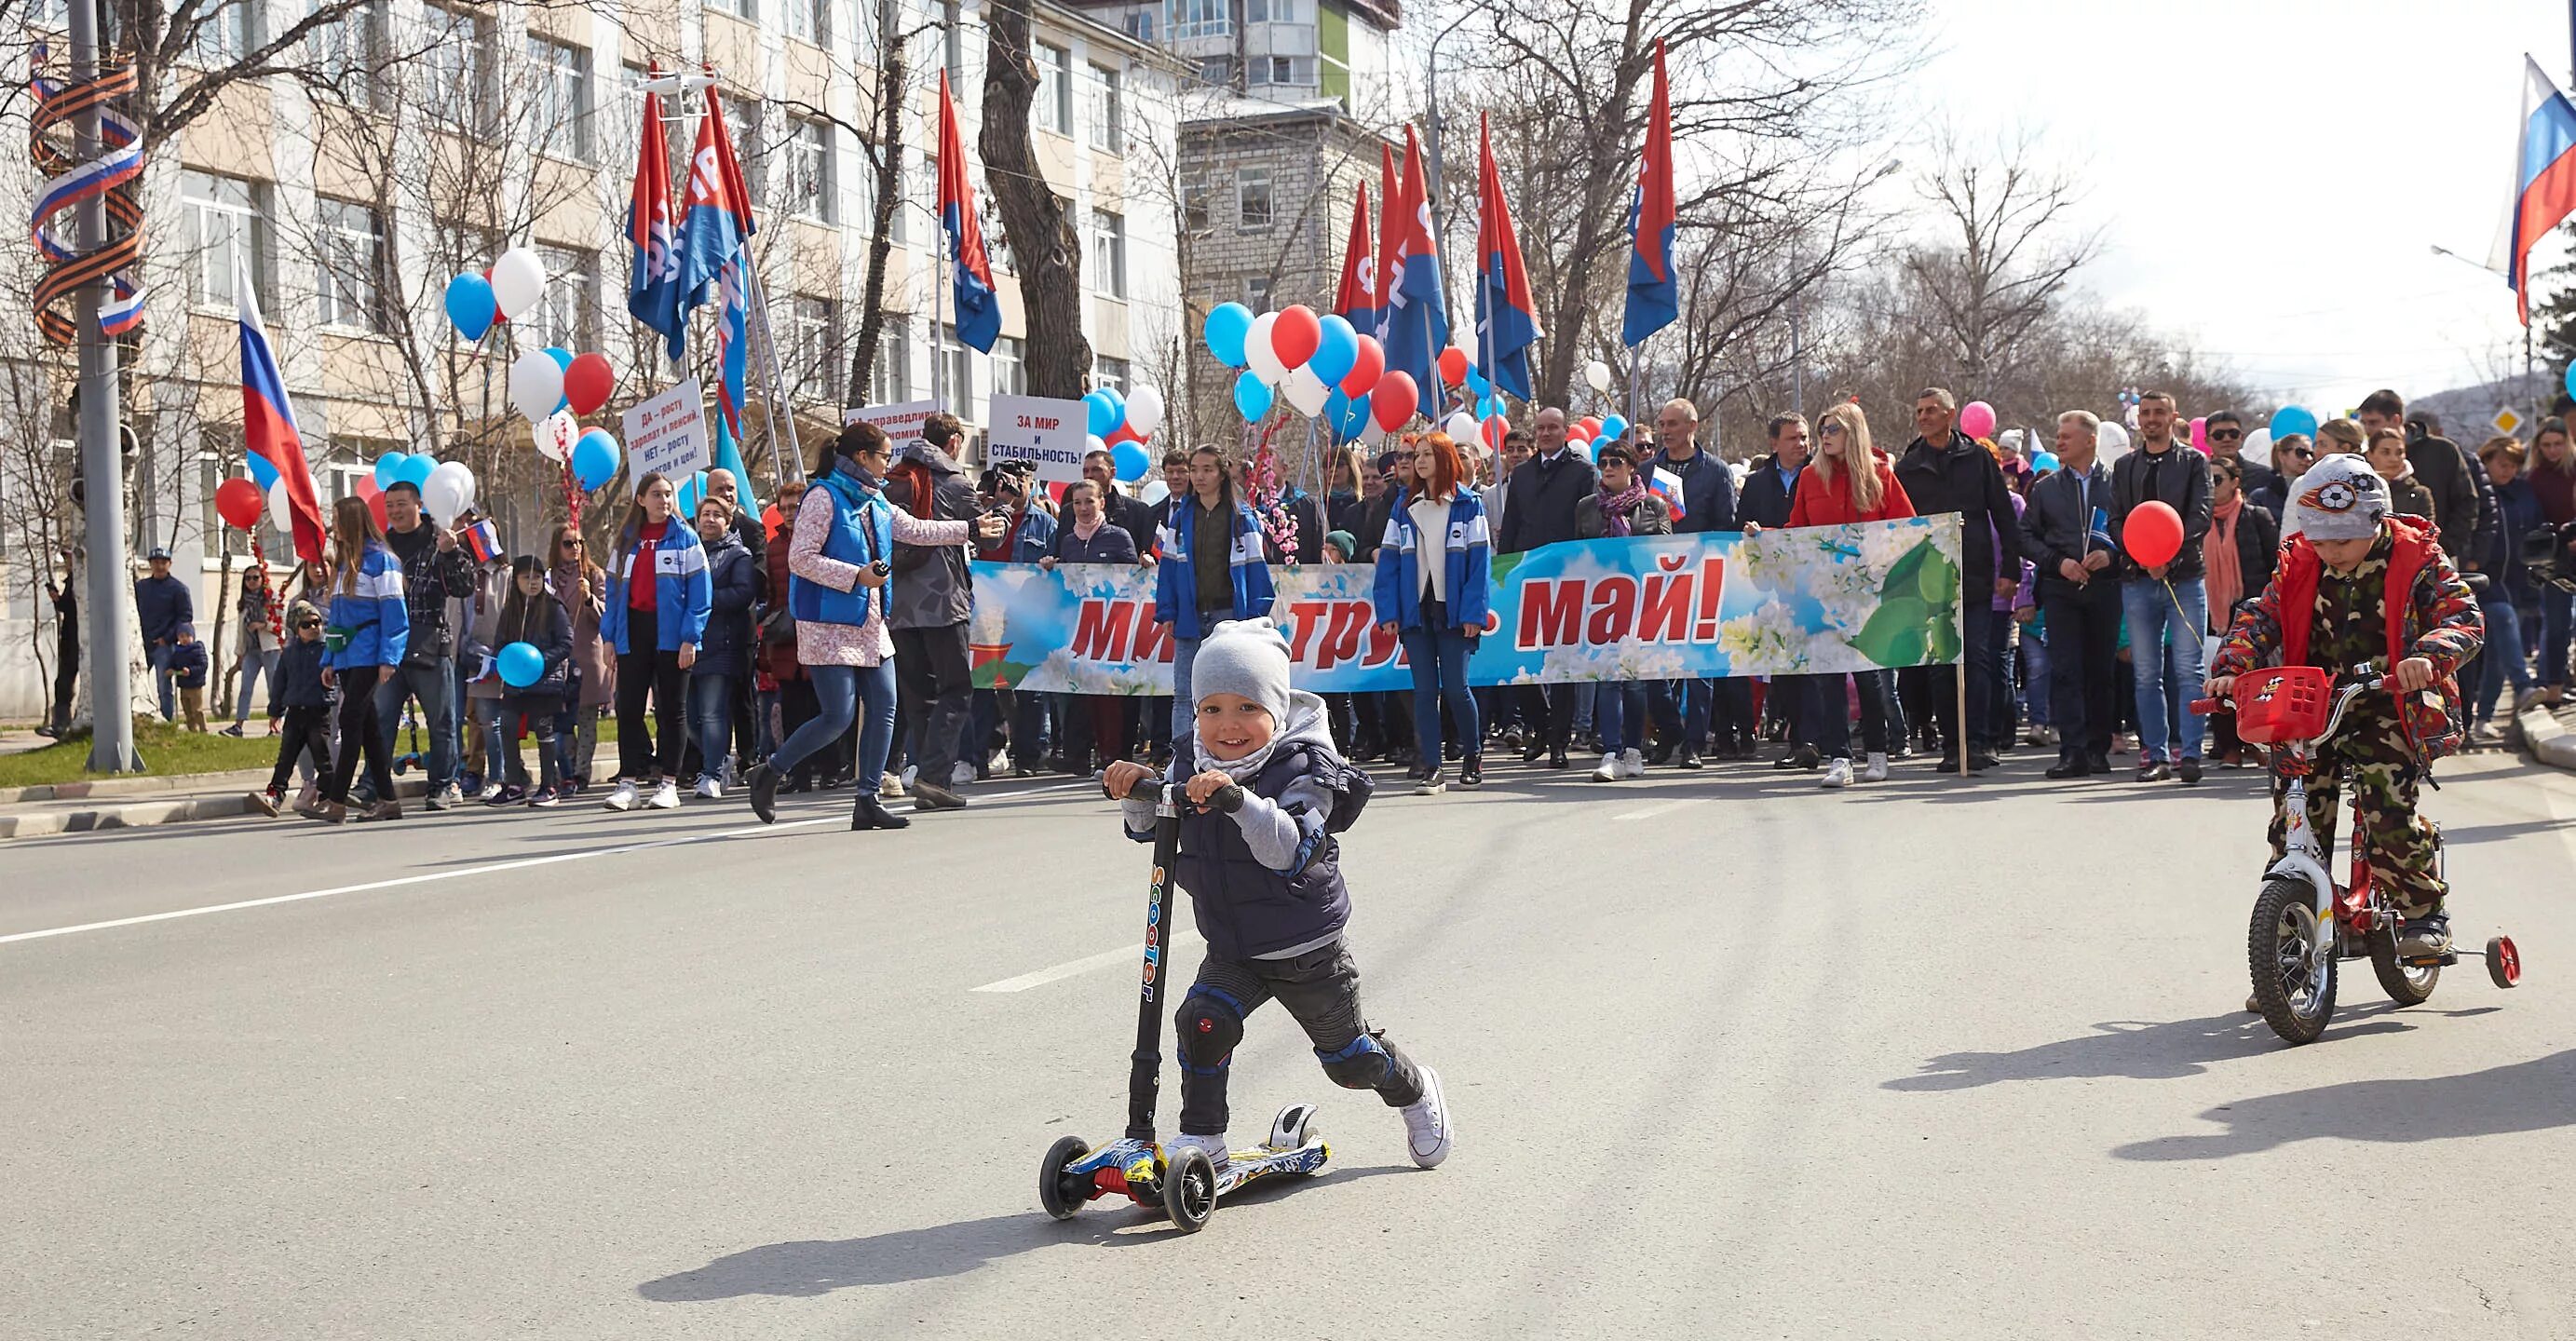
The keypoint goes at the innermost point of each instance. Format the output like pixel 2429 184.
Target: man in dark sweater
pixel 435 570
pixel 2166 604
pixel 2227 439
pixel 161 604
pixel 1945 471
pixel 1708 504
pixel 1132 515
pixel 1538 509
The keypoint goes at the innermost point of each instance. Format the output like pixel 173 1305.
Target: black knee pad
pixel 1209 1024
pixel 1362 1065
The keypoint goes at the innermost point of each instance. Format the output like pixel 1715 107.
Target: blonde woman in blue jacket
pixel 1434 572
pixel 659 596
pixel 363 637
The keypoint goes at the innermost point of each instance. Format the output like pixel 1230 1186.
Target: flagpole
pixel 759 300
pixel 940 278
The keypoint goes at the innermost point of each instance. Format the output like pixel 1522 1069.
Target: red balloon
pixel 1365 368
pixel 587 383
pixel 376 505
pixel 1495 427
pixel 2152 534
pixel 1453 365
pixel 1395 400
pixel 239 503
pixel 1294 334
pixel 770 521
pixel 1589 426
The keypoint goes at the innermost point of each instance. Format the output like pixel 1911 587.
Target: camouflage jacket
pixel 2441 623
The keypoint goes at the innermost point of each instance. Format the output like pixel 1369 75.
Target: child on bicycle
pixel 1265 884
pixel 2363 585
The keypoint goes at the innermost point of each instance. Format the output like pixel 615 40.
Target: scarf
pixel 1085 530
pixel 1617 510
pixel 2226 577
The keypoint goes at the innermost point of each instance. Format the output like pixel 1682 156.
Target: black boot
pixel 870 813
pixel 763 783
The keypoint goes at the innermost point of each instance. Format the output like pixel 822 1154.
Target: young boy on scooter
pixel 1266 887
pixel 2358 585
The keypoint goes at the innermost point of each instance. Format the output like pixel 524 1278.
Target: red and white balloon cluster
pixel 1319 364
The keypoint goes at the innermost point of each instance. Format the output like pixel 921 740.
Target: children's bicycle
pixel 2303 922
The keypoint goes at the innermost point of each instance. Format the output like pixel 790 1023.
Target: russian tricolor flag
pixel 268 430
pixel 1669 486
pixel 2544 178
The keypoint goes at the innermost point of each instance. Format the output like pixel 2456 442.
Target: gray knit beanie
pixel 1247 657
pixel 2340 498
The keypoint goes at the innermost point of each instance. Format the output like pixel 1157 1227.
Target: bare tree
pixel 1044 246
pixel 2010 255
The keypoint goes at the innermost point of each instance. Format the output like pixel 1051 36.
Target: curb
pixel 147 814
pixel 2549 740
pixel 137 786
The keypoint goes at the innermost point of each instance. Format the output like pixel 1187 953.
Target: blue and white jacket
pixel 1176 584
pixel 681 588
pixel 1467 558
pixel 376 621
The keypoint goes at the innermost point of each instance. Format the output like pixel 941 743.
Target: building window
pixel 349 285
pixel 742 122
pixel 893 371
pixel 561 76
pixel 740 9
pixel 1275 11
pixel 225 33
pixel 228 238
pixel 957 392
pixel 1194 203
pixel 1109 127
pixel 1110 375
pixel 1256 295
pixel 810 186
pixel 814 345
pixel 1216 70
pixel 458 65
pixel 1199 18
pixel 1252 198
pixel 1054 104
pixel 346 52
pixel 1010 368
pixel 1109 253
pixel 810 21
pixel 1292 70
pixel 567 317
pixel 1141 24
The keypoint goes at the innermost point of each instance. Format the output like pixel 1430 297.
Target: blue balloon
pixel 389 468
pixel 522 665
pixel 2291 419
pixel 471 306
pixel 1227 324
pixel 1251 397
pixel 1489 407
pixel 415 469
pixel 1346 415
pixel 1613 427
pixel 261 472
pixel 594 459
pixel 562 357
pixel 1477 387
pixel 2044 462
pixel 1103 413
pixel 2571 379
pixel 1130 461
pixel 1336 349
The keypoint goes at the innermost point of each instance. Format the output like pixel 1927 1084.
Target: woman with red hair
pixel 1433 570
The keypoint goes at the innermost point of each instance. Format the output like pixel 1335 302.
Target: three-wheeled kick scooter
pixel 2303 921
pixel 1185 1188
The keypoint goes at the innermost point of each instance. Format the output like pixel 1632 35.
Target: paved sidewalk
pixel 131 803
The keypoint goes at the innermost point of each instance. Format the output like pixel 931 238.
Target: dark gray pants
pixel 1321 989
pixel 938 698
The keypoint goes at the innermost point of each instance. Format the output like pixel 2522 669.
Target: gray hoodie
pixel 932 587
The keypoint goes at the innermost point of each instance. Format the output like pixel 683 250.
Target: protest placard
pixel 667 434
pixel 901 420
pixel 1048 434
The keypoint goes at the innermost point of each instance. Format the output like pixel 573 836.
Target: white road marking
pixel 1043 976
pixel 430 877
pixel 1666 808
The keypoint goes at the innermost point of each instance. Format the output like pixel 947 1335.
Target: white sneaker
pixel 1877 770
pixel 1632 763
pixel 1609 771
pixel 962 774
pixel 911 775
pixel 487 791
pixel 709 789
pixel 1000 761
pixel 1426 1124
pixel 1213 1146
pixel 623 798
pixel 1837 774
pixel 666 795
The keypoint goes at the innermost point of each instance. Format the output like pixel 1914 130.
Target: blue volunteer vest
pixel 862 533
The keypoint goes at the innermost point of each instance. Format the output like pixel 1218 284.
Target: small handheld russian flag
pixel 1669 485
pixel 481 541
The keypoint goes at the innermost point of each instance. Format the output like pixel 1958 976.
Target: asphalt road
pixel 1728 1057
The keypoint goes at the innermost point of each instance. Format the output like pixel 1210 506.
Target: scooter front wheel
pixel 2290 955
pixel 1189 1190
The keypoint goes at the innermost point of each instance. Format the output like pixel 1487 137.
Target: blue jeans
pixel 2152 614
pixel 1619 715
pixel 711 719
pixel 267 663
pixel 1683 707
pixel 2503 658
pixel 2036 683
pixel 435 686
pixel 160 658
pixel 497 749
pixel 2557 613
pixel 838 690
pixel 1439 661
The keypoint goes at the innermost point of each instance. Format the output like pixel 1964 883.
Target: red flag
pixel 737 193
pixel 1506 315
pixel 978 313
pixel 1356 299
pixel 1654 300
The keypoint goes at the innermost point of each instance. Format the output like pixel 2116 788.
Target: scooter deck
pixel 1136 1168
pixel 1261 1161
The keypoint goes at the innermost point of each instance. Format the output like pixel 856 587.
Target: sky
pixel 2274 199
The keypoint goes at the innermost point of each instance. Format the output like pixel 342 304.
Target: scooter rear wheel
pixel 1060 1199
pixel 2504 962
pixel 2295 994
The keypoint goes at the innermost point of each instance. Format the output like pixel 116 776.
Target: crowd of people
pixel 831 649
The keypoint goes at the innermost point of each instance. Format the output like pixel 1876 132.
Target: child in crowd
pixel 188 671
pixel 2363 585
pixel 306 724
pixel 1266 885
pixel 533 615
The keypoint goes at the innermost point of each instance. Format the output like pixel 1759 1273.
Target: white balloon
pixel 1092 442
pixel 1257 353
pixel 557 434
pixel 2258 446
pixel 1371 432
pixel 1597 374
pixel 1461 429
pixel 536 385
pixel 1145 409
pixel 2113 440
pixel 449 490
pixel 281 514
pixel 1154 493
pixel 518 282
pixel 1306 391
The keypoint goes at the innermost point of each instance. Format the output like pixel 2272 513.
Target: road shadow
pixel 809 1268
pixel 2135 1050
pixel 2523 1097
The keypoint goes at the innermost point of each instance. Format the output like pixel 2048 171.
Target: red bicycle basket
pixel 2283 703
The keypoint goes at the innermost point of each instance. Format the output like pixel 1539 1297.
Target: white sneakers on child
pixel 1213 1146
pixel 623 798
pixel 1837 774
pixel 666 795
pixel 1426 1124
